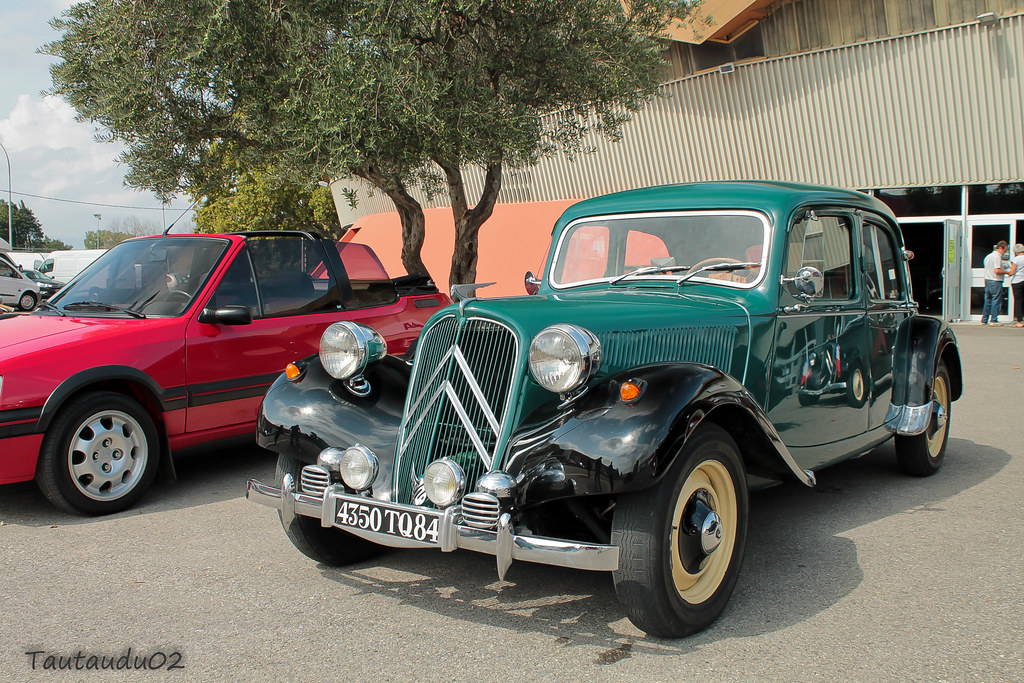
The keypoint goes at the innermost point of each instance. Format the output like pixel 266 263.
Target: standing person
pixel 994 273
pixel 1017 283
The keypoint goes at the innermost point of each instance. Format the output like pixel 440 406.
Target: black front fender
pixel 603 445
pixel 302 417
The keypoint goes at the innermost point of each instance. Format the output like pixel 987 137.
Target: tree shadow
pixel 204 475
pixel 796 564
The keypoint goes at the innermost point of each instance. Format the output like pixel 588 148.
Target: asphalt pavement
pixel 871 575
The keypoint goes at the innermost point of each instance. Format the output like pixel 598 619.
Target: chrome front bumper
pixel 503 543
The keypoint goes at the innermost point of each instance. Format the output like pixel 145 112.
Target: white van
pixel 65 265
pixel 16 289
pixel 27 260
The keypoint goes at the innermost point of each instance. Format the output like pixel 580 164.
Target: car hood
pixel 24 334
pixel 635 326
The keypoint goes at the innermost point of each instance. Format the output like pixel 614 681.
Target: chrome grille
pixel 314 480
pixel 458 399
pixel 480 510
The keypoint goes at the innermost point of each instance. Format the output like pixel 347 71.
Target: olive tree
pixel 402 93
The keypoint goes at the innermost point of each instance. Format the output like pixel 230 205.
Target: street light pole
pixel 10 199
pixel 98 216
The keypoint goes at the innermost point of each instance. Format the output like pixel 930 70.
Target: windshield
pixel 152 277
pixel 663 245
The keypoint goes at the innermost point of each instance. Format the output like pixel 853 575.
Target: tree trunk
pixel 409 212
pixel 468 221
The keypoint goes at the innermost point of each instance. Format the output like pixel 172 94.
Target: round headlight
pixel 358 467
pixel 346 348
pixel 444 481
pixel 564 357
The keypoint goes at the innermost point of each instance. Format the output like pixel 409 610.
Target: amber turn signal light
pixel 292 371
pixel 630 390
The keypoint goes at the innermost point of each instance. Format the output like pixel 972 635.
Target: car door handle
pixel 795 308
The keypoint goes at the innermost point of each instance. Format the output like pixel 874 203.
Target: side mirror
pixel 233 314
pixel 907 255
pixel 809 283
pixel 531 282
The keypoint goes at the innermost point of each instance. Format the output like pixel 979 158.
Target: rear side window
pixel 880 264
pixel 368 284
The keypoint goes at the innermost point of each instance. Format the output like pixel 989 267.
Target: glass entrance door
pixel 984 234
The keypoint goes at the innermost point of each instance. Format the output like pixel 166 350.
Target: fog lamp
pixel 443 481
pixel 358 467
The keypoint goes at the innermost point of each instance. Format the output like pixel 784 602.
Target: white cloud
pixel 57 159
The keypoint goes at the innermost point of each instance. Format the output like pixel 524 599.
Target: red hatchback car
pixel 169 342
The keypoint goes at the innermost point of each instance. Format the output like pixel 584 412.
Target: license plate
pixel 381 519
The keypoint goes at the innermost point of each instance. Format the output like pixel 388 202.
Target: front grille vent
pixel 480 510
pixel 458 400
pixel 314 480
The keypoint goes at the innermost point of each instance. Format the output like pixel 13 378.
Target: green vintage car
pixel 684 345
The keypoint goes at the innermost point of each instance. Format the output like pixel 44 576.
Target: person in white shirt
pixel 1017 283
pixel 994 273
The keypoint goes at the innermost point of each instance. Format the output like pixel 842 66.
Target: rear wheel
pixel 681 543
pixel 327 545
pixel 921 455
pixel 99 454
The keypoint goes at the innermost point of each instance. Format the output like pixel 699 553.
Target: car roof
pixel 777 199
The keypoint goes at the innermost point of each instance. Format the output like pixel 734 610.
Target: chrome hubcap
pixel 108 455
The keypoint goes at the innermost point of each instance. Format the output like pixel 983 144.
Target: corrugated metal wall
pixel 942 107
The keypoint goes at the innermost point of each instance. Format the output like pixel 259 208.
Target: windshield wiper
pixel 101 306
pixel 649 270
pixel 47 305
pixel 719 268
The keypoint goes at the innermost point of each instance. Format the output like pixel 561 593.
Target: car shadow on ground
pixel 204 476
pixel 796 566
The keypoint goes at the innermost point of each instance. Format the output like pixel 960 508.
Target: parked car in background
pixel 169 342
pixel 16 290
pixel 65 265
pixel 685 344
pixel 47 285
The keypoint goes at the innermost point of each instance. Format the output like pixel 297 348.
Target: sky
pixel 57 168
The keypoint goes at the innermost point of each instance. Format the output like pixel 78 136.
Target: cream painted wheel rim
pixel 858 385
pixel 712 477
pixel 940 394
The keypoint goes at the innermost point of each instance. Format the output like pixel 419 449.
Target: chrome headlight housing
pixel 346 348
pixel 358 467
pixel 444 481
pixel 564 357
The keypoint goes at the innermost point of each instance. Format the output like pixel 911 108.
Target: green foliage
pixel 261 200
pixel 28 232
pixel 391 92
pixel 104 239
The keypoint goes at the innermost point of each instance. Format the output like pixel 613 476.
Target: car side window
pixel 238 287
pixel 823 242
pixel 285 267
pixel 644 249
pixel 368 282
pixel 6 270
pixel 881 267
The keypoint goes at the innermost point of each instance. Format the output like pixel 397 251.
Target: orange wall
pixel 512 241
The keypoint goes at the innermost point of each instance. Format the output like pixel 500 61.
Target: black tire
pixel 27 301
pixel 921 455
pixel 99 455
pixel 330 545
pixel 662 592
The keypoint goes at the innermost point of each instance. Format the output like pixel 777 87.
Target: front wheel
pixel 921 455
pixel 27 301
pixel 99 454
pixel 681 543
pixel 327 545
